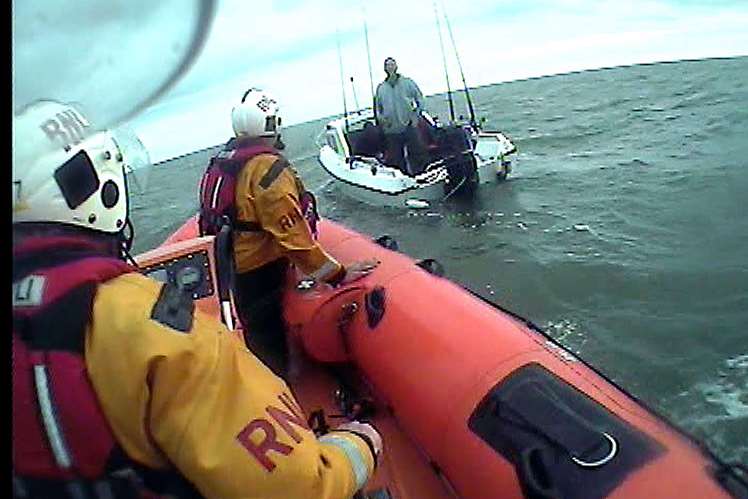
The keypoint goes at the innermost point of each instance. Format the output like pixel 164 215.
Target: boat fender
pixel 431 266
pixel 323 322
pixel 374 301
pixel 387 241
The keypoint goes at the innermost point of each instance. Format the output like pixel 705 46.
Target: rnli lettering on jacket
pixel 177 388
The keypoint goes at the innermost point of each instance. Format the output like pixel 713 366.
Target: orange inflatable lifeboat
pixel 472 400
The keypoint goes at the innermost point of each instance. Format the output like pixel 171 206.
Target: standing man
pixel 398 105
pixel 254 189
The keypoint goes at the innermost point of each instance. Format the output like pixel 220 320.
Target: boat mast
pixel 355 97
pixel 342 80
pixel 444 60
pixel 368 55
pixel 459 64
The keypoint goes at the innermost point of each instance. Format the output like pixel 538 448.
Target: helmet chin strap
pixel 126 237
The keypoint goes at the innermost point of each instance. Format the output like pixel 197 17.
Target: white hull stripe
pixel 354 456
pixel 54 433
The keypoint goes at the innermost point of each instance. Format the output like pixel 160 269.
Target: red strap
pixel 40 244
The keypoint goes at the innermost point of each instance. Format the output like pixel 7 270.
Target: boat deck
pixel 404 472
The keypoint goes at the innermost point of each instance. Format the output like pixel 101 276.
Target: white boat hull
pixel 370 181
pixel 381 186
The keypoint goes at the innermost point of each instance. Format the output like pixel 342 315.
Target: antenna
pixel 342 80
pixel 444 60
pixel 459 64
pixel 368 55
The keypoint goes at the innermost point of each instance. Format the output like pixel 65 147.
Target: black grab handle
pixel 374 302
pixel 431 266
pixel 387 241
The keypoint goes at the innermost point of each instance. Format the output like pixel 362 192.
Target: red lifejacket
pixel 218 191
pixel 62 443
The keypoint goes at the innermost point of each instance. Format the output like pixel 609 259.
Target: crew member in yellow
pixel 253 187
pixel 121 387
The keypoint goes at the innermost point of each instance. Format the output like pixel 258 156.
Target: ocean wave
pixel 566 140
pixel 568 333
pixel 634 162
pixel 602 106
pixel 728 390
pixel 551 119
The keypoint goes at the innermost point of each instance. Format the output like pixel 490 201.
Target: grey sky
pixel 289 48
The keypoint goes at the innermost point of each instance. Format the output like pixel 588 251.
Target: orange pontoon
pixel 473 401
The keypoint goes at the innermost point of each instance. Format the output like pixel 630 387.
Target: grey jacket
pixel 397 104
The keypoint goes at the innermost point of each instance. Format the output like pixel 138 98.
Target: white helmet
pixel 256 116
pixel 66 172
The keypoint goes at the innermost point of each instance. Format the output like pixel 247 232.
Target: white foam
pixel 727 396
pixel 739 362
pixel 567 333
pixel 728 391
pixel 416 203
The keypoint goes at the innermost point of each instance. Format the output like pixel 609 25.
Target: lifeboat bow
pixel 473 401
